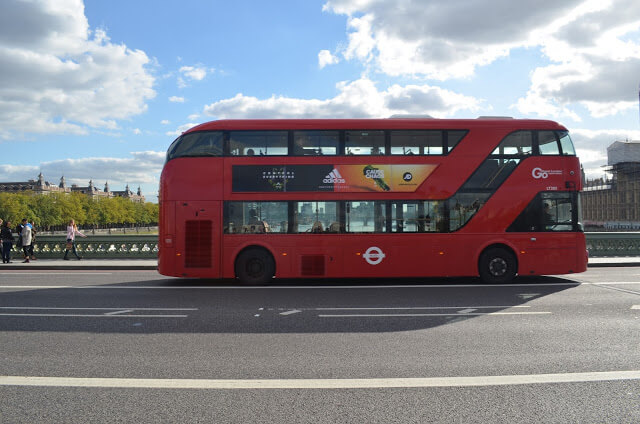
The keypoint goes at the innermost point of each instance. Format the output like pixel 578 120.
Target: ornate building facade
pixel 40 186
pixel 613 202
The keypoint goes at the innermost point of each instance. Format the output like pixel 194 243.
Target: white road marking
pixel 368 287
pixel 35 287
pixel 347 383
pixel 20 273
pixel 178 287
pixel 607 286
pixel 635 307
pixel 115 312
pixel 125 311
pixel 94 316
pixel 93 309
pixel 466 311
pixel 294 311
pixel 420 307
pixel 427 315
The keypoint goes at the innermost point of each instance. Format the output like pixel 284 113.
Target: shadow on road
pixel 159 306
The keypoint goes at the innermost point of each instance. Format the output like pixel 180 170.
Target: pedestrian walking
pixel 19 228
pixel 72 231
pixel 6 236
pixel 26 241
pixel 32 224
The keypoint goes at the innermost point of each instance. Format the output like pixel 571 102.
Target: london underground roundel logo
pixel 373 255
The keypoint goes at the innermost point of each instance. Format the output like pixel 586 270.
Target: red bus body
pixel 193 190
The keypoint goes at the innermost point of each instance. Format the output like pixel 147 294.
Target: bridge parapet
pixel 146 247
pixel 96 247
pixel 613 244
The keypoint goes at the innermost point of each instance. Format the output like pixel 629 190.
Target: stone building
pixel 613 202
pixel 40 187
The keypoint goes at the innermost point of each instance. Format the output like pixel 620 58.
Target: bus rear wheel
pixel 497 266
pixel 255 266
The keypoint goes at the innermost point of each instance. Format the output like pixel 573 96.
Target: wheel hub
pixel 498 267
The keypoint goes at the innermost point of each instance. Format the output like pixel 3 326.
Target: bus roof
pixel 375 124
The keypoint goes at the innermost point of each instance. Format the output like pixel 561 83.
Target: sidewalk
pixel 87 264
pixel 151 264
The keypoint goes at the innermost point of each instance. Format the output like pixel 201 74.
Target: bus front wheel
pixel 255 266
pixel 497 266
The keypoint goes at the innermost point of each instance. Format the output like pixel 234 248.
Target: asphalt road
pixel 124 346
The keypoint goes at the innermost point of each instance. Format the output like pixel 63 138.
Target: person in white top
pixel 72 230
pixel 26 241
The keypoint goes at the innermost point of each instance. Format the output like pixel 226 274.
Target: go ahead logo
pixel 538 173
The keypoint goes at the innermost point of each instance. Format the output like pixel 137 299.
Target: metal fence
pixel 96 247
pixel 146 247
pixel 613 244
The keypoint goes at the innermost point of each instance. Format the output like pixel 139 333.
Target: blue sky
pixel 98 89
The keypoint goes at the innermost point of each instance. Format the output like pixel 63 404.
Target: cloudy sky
pixel 98 89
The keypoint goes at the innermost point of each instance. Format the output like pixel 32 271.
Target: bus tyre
pixel 255 266
pixel 497 266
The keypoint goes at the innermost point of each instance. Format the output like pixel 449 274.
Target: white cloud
pixel 141 168
pixel 165 122
pixel 196 73
pixel 357 99
pixel 137 131
pixel 192 73
pixel 180 129
pixel 176 99
pixel 58 76
pixel 326 58
pixel 591 45
pixel 596 65
pixel 440 39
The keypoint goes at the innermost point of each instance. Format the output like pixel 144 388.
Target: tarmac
pixel 152 264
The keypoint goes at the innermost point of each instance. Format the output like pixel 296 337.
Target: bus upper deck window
pixel 518 143
pixel 315 143
pixel 200 143
pixel 258 143
pixel 419 142
pixel 364 142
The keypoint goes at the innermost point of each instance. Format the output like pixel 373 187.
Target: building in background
pixel 40 186
pixel 613 202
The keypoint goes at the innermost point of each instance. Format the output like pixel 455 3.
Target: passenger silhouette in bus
pixel 547 218
pixel 250 152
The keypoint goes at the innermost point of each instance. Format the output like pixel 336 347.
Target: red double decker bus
pixel 263 199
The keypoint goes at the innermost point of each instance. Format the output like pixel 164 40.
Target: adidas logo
pixel 334 177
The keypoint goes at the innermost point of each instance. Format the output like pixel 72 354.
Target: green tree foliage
pixel 56 209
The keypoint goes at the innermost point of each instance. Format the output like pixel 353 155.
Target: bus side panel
pixel 166 239
pixel 192 179
pixel 197 239
pixel 407 255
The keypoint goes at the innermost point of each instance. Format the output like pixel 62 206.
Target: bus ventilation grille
pixel 198 244
pixel 312 265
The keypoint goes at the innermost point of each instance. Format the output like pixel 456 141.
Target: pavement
pixel 93 264
pixel 152 264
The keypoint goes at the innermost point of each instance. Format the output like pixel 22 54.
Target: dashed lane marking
pixel 428 315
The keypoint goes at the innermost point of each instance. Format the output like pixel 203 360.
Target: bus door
pixel 555 245
pixel 198 240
